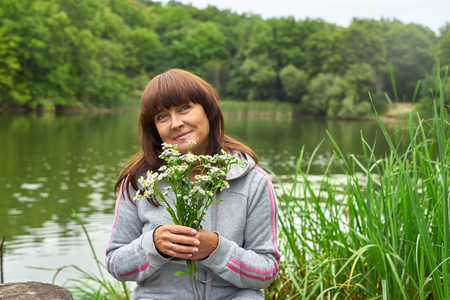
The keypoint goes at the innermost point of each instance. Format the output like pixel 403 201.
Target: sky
pixel 433 14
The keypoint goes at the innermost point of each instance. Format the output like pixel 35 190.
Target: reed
pixel 87 285
pixel 1 258
pixel 387 237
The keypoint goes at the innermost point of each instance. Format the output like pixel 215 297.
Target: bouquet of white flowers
pixel 189 199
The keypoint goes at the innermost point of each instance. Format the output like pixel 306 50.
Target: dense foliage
pixel 381 231
pixel 99 52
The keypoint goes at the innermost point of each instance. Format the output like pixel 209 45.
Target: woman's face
pixel 178 124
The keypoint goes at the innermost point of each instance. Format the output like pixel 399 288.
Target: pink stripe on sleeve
pixel 252 269
pixel 116 213
pixel 248 275
pixel 137 270
pixel 273 206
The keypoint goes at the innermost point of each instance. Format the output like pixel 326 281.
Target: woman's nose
pixel 177 122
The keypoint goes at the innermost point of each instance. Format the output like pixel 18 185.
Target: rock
pixel 33 291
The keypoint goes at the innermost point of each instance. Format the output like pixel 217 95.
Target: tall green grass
pixel 88 285
pixel 388 238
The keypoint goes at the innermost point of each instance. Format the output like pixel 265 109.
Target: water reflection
pixel 279 142
pixel 52 164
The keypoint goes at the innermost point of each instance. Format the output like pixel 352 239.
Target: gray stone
pixel 33 291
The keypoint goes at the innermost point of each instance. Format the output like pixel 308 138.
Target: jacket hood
pixel 240 171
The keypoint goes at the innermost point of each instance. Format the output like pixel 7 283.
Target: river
pixel 51 164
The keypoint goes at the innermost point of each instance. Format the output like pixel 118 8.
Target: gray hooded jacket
pixel 245 261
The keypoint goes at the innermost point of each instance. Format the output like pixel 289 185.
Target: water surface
pixel 51 164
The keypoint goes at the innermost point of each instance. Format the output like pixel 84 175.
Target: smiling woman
pixel 235 253
pixel 178 124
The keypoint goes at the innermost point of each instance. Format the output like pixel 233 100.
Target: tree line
pixel 97 53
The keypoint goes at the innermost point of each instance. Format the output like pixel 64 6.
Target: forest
pixel 101 53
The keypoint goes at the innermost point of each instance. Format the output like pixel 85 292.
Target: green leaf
pixel 180 273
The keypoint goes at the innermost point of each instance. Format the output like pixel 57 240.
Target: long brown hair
pixel 174 88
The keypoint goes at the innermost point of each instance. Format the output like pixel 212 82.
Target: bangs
pixel 165 98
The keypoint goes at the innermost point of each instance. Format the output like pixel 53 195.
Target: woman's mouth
pixel 182 136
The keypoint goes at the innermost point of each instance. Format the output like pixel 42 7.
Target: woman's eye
pixel 161 117
pixel 185 107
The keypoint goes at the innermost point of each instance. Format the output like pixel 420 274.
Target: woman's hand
pixel 184 242
pixel 208 243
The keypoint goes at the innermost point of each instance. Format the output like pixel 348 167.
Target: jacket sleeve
pixel 131 255
pixel 256 263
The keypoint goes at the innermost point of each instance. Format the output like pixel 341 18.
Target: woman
pixel 236 251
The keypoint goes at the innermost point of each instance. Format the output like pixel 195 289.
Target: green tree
pixel 349 95
pixel 171 22
pixel 319 92
pixel 144 51
pixel 41 36
pixel 444 46
pixel 262 77
pixel 363 43
pixel 131 11
pixel 254 76
pixel 93 53
pixel 83 14
pixel 204 43
pixel 294 83
pixel 430 89
pixel 10 67
pixel 410 57
pixel 338 99
pixel 289 37
pixel 319 47
pixel 360 80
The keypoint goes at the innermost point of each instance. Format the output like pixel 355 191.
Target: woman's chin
pixel 183 149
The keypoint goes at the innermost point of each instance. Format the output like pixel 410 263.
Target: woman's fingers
pixel 178 229
pixel 184 242
pixel 180 235
pixel 208 243
pixel 176 240
pixel 182 251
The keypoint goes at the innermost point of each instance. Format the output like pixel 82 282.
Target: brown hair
pixel 174 88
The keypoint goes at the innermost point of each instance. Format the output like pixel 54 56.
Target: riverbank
pixel 68 110
pixel 233 109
